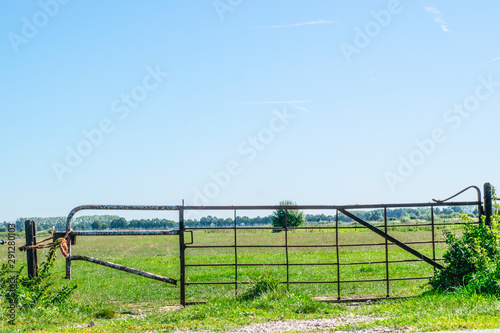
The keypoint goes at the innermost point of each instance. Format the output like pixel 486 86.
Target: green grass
pixel 115 299
pixel 428 312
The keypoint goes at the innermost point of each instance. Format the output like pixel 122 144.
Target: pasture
pixel 106 293
pixel 160 255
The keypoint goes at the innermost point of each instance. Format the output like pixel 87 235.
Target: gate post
pixel 182 250
pixel 488 204
pixel 31 257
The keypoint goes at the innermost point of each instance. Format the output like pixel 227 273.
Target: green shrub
pixel 265 284
pixel 39 291
pixel 106 313
pixel 472 262
pixel 291 218
pixel 305 304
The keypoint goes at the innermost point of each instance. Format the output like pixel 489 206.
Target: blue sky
pixel 245 102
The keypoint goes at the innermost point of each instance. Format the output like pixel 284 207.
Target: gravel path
pixel 316 325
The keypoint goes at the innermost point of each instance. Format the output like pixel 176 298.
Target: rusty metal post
pixel 68 260
pixel 386 254
pixel 337 250
pixel 235 257
pixel 286 249
pixel 433 235
pixel 68 263
pixel 488 203
pixel 182 250
pixel 31 256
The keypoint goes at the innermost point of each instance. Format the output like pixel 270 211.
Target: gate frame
pixel 337 208
pixel 183 246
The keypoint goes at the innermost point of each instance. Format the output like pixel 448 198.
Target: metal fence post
pixel 68 263
pixel 386 255
pixel 30 233
pixel 433 238
pixel 235 256
pixel 488 204
pixel 286 252
pixel 182 250
pixel 337 250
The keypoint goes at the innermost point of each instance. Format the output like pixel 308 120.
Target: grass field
pixel 106 293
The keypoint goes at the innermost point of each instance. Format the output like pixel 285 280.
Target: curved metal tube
pixel 104 207
pixel 113 207
pixel 465 189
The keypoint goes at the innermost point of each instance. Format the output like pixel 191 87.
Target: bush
pixel 280 219
pixel 106 313
pixel 305 304
pixel 265 284
pixel 27 293
pixel 472 261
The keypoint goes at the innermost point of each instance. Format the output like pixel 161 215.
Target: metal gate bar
pixel 392 239
pixel 125 269
pixel 125 232
pixel 105 207
pixel 387 243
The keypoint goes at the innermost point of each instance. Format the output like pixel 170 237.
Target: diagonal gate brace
pixel 391 239
pixel 125 269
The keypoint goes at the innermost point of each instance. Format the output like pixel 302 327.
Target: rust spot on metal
pixel 57 235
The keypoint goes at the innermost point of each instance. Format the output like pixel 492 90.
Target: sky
pixel 237 102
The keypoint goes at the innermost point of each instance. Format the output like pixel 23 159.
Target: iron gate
pixel 381 230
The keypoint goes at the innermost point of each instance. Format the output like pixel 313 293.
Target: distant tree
pixel 374 215
pixel 119 223
pixel 243 220
pixel 428 216
pixel 97 225
pixel 447 211
pixel 405 219
pixel 291 218
pixel 266 220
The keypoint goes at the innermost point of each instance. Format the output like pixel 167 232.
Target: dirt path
pixel 316 325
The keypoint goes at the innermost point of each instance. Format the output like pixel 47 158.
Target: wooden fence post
pixel 30 232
